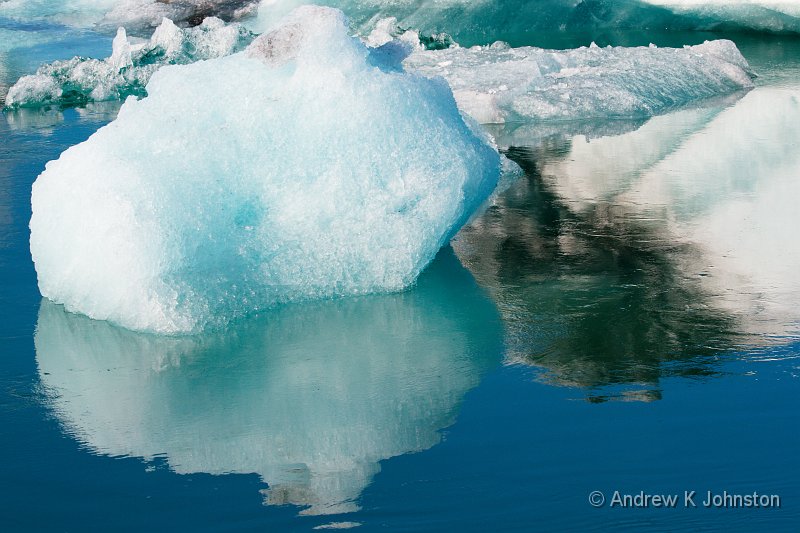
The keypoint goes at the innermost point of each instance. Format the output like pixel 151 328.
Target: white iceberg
pixel 301 168
pixel 138 15
pixel 497 84
pixel 126 72
pixel 493 84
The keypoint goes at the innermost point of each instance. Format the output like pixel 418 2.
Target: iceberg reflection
pixel 626 258
pixel 310 397
pixel 726 190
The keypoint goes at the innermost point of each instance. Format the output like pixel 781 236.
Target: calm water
pixel 623 317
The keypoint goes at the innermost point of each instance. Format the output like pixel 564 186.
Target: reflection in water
pixel 530 135
pixel 311 397
pixel 622 259
pixel 44 120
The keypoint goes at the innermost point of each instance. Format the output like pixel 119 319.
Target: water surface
pixel 622 317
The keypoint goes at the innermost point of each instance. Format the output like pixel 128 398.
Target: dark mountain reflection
pixel 619 260
pixel 310 397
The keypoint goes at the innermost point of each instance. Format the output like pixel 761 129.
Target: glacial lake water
pixel 624 317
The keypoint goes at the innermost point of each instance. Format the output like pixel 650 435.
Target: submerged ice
pixel 300 168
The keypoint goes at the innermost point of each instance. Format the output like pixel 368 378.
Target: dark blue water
pixel 623 318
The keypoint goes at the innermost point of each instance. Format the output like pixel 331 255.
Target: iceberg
pixel 770 16
pixel 469 22
pixel 137 15
pixel 493 84
pixel 301 168
pixel 497 84
pixel 478 22
pixel 378 376
pixel 126 72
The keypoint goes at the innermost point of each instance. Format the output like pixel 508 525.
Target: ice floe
pixel 493 84
pixel 126 72
pixel 294 170
pixel 497 83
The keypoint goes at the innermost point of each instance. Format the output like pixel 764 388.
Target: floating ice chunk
pixel 143 14
pixel 287 172
pixel 120 51
pixel 500 84
pixel 385 31
pixel 35 88
pixel 127 71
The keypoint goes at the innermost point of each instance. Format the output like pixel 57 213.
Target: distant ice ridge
pixel 518 21
pixel 493 84
pixel 773 16
pixel 469 21
pixel 136 15
pixel 303 167
pixel 497 84
pixel 127 71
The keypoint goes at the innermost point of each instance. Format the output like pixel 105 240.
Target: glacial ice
pixel 771 16
pixel 472 22
pixel 130 66
pixel 299 168
pixel 137 16
pixel 493 84
pixel 496 84
pixel 379 376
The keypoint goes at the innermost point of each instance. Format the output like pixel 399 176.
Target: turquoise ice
pixel 484 21
pixel 297 169
pixel 126 72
